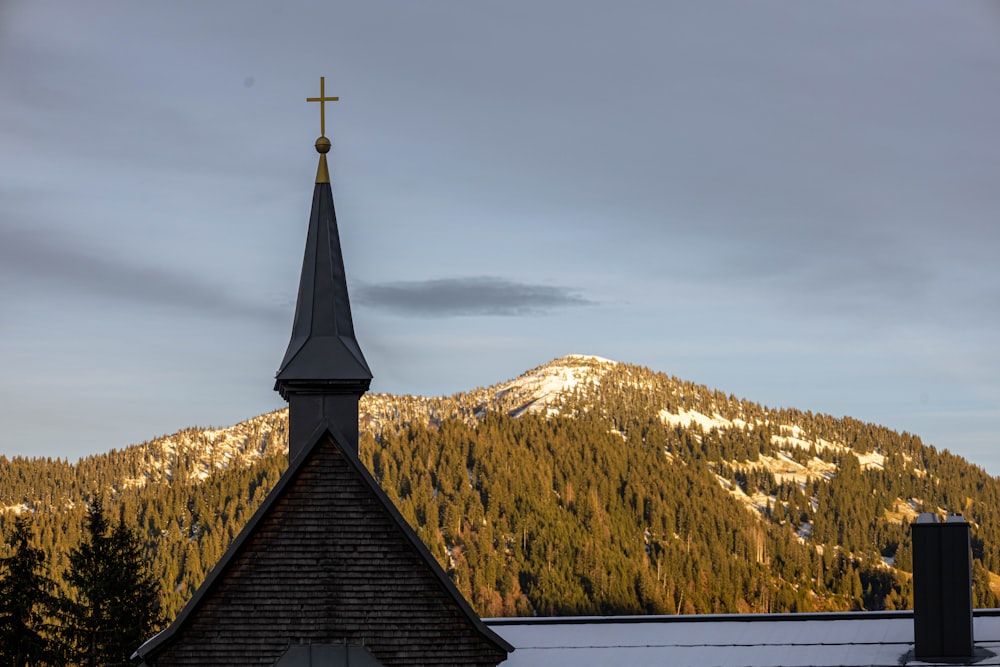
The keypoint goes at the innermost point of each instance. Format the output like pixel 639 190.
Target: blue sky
pixel 797 203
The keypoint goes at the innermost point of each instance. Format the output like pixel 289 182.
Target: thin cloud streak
pixel 455 297
pixel 28 254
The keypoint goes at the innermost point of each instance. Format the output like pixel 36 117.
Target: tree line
pixel 109 606
pixel 596 505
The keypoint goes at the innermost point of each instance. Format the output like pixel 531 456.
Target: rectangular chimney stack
pixel 942 588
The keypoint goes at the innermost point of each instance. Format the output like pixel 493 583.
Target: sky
pixel 796 203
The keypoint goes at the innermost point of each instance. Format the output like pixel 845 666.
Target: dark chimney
pixel 942 588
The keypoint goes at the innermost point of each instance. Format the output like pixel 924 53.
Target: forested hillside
pixel 582 487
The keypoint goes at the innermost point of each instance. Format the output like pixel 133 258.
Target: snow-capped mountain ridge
pixel 782 465
pixel 192 454
pixel 579 381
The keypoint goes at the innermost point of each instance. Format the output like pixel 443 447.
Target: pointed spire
pixel 324 372
pixel 323 347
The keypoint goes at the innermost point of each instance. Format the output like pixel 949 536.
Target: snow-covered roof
pixel 758 640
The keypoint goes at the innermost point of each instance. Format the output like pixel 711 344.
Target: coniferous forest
pixel 110 606
pixel 621 491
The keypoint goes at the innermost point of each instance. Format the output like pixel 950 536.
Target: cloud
pixel 30 255
pixel 477 295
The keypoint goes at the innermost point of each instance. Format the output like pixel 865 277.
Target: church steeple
pixel 324 372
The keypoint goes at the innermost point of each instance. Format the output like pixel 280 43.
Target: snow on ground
pixel 759 501
pixel 805 531
pixel 786 469
pixel 783 465
pixel 904 510
pixel 790 441
pixel 207 450
pixel 871 460
pixel 16 509
pixel 691 418
pixel 883 639
pixel 794 429
pixel 537 388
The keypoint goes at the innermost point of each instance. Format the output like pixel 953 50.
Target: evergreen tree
pixel 135 604
pixel 603 502
pixel 87 623
pixel 26 602
pixel 116 605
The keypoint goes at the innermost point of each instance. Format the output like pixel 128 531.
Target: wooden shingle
pixel 327 559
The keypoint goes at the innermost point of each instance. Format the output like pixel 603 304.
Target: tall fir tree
pixel 116 602
pixel 26 602
pixel 136 604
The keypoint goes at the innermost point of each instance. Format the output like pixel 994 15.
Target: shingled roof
pixel 326 559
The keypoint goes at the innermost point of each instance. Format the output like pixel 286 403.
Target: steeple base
pixel 308 411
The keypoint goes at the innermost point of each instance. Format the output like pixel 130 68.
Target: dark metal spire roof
pixel 323 352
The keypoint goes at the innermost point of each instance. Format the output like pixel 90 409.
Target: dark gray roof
pixel 156 643
pixel 883 639
pixel 323 347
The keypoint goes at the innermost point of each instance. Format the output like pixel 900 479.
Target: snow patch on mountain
pixel 540 389
pixel 192 455
pixel 871 460
pixel 690 418
pixel 786 469
pixel 797 438
pixel 20 508
pixel 791 441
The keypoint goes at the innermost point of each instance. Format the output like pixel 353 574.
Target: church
pixel 327 572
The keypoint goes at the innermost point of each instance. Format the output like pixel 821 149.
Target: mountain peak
pixel 540 388
pixel 584 357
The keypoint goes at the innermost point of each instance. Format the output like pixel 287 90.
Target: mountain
pixel 583 486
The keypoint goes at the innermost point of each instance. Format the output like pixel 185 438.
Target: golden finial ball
pixel 323 145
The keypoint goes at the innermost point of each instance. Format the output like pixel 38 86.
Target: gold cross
pixel 322 99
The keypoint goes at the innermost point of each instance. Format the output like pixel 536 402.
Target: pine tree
pixel 135 604
pixel 116 603
pixel 26 602
pixel 87 625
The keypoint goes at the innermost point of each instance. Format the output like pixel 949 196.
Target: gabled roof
pixel 323 346
pixel 852 639
pixel 324 434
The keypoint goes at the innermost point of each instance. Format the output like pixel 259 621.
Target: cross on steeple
pixel 324 372
pixel 322 99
